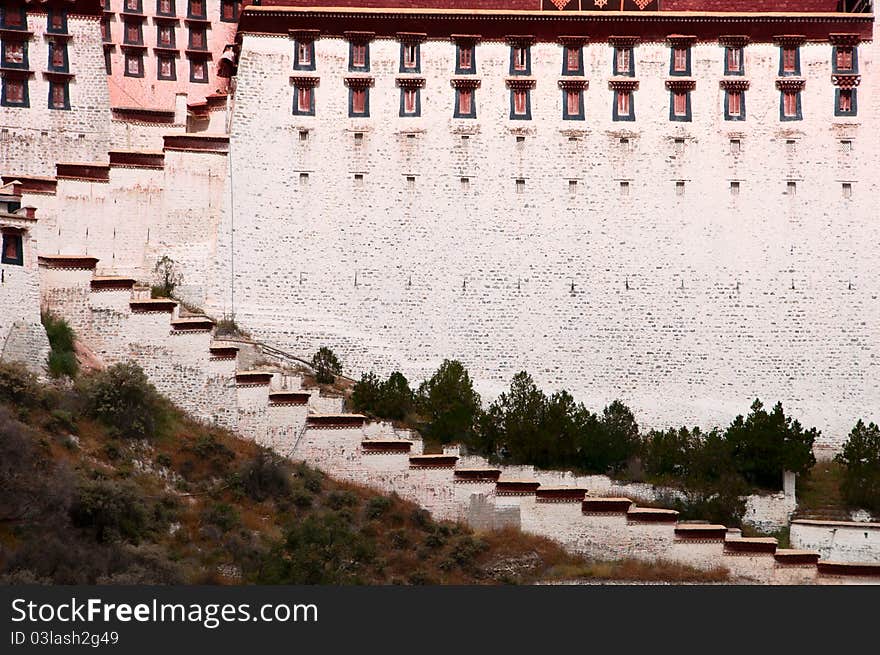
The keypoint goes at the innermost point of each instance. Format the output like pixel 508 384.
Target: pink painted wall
pixel 148 91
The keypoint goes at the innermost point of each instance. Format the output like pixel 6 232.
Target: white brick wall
pixel 710 319
pixel 34 139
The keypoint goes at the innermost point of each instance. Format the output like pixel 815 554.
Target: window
pixel 519 104
pixel 790 61
pixel 229 10
pixel 409 58
pixel 196 9
pixel 790 146
pixel 13 253
pixel 303 100
pixel 734 105
pixel 846 145
pixel 624 109
pixel 680 106
pixel 108 63
pixel 410 182
pixel 410 103
pixel 572 187
pixel 520 186
pixel 303 135
pixel 624 61
pixel 844 58
pixel 165 36
pixel 733 61
pixel 57 56
pixel 134 33
pixel 198 71
pixel 790 105
pixel 134 64
pixel 197 38
pixel 358 138
pixel 464 61
pixel 165 67
pixel 15 54
pixel 15 92
pixel 572 61
pixel 681 61
pixel 105 29
pixel 165 8
pixel 465 183
pixel 791 188
pixel 846 189
pixel 679 188
pixel 59 95
pixel 359 179
pixel 465 104
pixel 624 188
pixel 520 60
pixel 56 22
pixel 734 188
pixel 304 56
pixel 359 102
pixel 845 102
pixel 359 57
pixel 133 6
pixel 14 18
pixel 303 179
pixel 573 105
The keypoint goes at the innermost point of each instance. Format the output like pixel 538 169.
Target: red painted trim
pixel 198 143
pixel 289 397
pixel 546 26
pixel 82 262
pixel 487 475
pixel 126 159
pixel 86 172
pixel 386 446
pixel 32 184
pixel 112 283
pixel 606 505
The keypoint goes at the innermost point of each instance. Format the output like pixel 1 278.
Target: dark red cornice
pixel 545 26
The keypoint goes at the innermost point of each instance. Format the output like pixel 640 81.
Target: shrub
pixel 61 420
pixel 763 445
pixel 265 476
pixel 377 506
pixel 110 511
pixel 126 402
pixel 449 404
pixel 18 386
pixel 168 277
pixel 326 366
pixel 62 358
pixel 860 459
pixel 223 515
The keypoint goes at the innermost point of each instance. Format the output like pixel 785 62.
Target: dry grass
pixel 636 570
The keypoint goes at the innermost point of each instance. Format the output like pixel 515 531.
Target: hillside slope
pixel 84 503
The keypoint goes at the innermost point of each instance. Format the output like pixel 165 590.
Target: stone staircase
pixel 268 403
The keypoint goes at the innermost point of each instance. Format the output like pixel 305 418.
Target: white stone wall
pixel 22 337
pixel 763 294
pixel 34 139
pixel 139 216
pixel 838 541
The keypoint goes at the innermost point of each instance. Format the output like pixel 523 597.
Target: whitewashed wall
pixel 685 307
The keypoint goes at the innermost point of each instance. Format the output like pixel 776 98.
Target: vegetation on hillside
pixel 107 482
pixel 860 460
pixel 62 356
pixel 524 425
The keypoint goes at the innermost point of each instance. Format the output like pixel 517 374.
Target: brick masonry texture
pixel 685 306
pixel 33 139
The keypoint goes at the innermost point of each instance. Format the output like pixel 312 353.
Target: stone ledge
pixel 70 262
pixel 289 398
pixel 610 505
pixel 432 461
